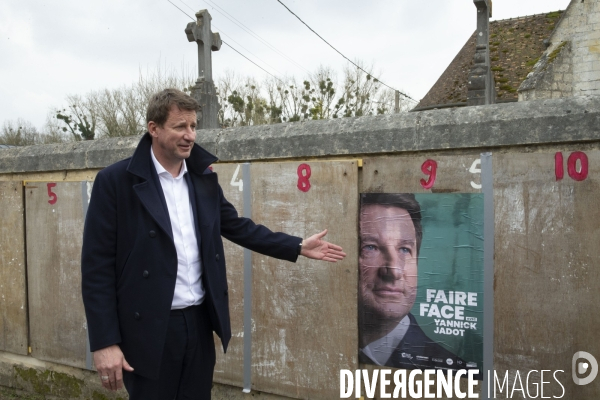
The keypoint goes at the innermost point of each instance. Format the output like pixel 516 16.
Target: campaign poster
pixel 420 297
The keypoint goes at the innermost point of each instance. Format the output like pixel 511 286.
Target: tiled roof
pixel 515 46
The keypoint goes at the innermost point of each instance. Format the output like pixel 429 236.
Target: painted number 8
pixel 303 177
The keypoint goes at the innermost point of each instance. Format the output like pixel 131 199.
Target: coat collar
pixel 197 162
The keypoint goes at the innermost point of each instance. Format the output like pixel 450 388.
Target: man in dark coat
pixel 390 240
pixel 153 269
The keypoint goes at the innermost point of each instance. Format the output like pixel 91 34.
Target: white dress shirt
pixel 188 287
pixel 381 349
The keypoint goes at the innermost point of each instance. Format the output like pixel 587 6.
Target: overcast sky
pixel 50 49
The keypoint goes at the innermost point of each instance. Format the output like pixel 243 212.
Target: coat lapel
pixel 148 190
pixel 206 192
pixel 206 195
pixel 150 197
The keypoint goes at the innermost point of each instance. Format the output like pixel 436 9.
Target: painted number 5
pixel 475 169
pixel 51 194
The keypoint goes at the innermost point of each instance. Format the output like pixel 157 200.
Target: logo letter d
pixel 577 368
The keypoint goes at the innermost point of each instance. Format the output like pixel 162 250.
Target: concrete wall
pixel 304 314
pixel 571 64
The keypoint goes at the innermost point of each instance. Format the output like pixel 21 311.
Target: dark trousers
pixel 188 361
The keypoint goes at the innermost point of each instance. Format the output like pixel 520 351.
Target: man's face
pixel 388 261
pixel 173 142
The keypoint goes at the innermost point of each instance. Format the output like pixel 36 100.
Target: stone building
pixel 550 55
pixel 570 66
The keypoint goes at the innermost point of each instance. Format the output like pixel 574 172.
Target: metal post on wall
pixel 247 201
pixel 487 185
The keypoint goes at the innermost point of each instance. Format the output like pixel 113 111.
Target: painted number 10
pixel 575 173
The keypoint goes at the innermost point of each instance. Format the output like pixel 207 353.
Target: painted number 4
pixel 237 182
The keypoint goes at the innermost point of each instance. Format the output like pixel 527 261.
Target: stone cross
pixel 204 90
pixel 481 87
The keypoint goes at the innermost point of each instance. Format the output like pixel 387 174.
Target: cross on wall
pixel 207 40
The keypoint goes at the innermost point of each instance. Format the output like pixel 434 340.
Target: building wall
pixel 304 315
pixel 571 64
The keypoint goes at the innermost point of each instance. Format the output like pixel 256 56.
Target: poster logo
pixel 580 367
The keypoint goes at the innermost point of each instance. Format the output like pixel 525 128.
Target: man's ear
pixel 152 129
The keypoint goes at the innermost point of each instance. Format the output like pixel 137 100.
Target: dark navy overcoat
pixel 129 262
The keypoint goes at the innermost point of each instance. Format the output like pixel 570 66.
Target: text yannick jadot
pixel 448 311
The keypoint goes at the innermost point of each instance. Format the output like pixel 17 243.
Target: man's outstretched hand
pixel 316 248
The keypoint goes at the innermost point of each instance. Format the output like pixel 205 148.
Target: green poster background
pixel 451 259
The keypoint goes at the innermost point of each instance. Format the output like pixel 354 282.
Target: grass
pixel 508 88
pixel 554 15
pixel 556 51
pixel 531 63
pixel 13 394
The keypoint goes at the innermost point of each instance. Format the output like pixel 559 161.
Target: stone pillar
pixel 204 89
pixel 481 81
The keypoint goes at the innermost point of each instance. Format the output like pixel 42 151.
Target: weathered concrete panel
pixel 533 122
pixel 13 293
pixel 546 267
pixel 229 368
pixel 403 174
pixel 304 314
pixel 54 226
pixel 526 123
pixel 51 381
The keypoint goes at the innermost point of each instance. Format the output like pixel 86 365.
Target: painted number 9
pixel 429 168
pixel 303 177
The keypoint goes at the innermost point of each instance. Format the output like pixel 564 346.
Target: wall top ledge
pixel 575 119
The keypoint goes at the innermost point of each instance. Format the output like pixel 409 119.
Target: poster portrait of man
pixel 420 296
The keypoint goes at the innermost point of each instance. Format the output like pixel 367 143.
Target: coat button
pixel 152 234
pixel 145 274
pixel 225 292
pixel 217 257
pixel 136 315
